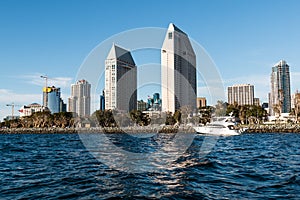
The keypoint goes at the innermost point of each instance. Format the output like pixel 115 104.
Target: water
pixel 59 166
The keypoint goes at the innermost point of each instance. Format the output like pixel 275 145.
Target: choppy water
pixel 59 166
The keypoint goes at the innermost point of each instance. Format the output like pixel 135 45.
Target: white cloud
pixel 35 79
pixel 262 80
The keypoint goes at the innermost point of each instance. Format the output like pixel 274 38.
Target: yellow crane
pixel 12 105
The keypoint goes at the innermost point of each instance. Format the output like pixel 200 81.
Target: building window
pixel 170 35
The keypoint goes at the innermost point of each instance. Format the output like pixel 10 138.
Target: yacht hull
pixel 216 131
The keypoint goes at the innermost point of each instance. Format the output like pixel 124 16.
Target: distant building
pixel 51 98
pixel 80 100
pixel 241 94
pixel 141 105
pixel 102 101
pixel 295 100
pixel 265 105
pixel 256 102
pixel 201 102
pixel 154 103
pixel 30 109
pixel 120 80
pixel 178 71
pixel 62 106
pixel 280 94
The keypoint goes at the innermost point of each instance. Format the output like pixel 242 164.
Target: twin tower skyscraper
pixel 178 75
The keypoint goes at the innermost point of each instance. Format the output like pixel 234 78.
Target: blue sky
pixel 244 39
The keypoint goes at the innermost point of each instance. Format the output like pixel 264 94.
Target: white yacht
pixel 224 126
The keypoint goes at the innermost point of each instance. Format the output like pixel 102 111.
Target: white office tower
pixel 80 100
pixel 120 80
pixel 178 71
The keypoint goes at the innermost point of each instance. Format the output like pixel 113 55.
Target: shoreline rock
pixel 278 128
pixel 164 129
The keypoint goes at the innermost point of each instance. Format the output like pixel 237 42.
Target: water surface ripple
pixel 58 166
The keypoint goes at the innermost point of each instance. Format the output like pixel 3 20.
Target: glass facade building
pixel 53 99
pixel 280 95
pixel 178 71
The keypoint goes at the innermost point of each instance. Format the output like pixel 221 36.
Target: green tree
pixel 247 113
pixel 27 122
pixel 62 119
pixel 177 116
pixel 140 118
pixel 205 114
pixel 42 119
pixel 170 120
pixel 220 108
pixel 105 118
pixel 233 109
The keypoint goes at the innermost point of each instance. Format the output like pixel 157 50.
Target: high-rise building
pixel 102 101
pixel 256 102
pixel 241 94
pixel 120 80
pixel 178 71
pixel 62 106
pixel 80 100
pixel 280 95
pixel 154 104
pixel 141 105
pixel 201 102
pixel 52 100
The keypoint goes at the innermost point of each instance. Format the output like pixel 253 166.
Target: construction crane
pixel 45 101
pixel 12 105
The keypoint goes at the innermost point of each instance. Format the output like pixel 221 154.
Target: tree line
pixel 42 120
pixel 113 118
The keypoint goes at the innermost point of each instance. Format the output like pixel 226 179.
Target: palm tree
pixel 297 106
pixel 277 110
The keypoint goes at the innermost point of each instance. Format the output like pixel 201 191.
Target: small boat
pixel 220 126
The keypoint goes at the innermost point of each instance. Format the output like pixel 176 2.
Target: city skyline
pixel 239 36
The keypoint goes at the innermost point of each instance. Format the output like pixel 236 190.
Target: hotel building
pixel 241 94
pixel 178 71
pixel 80 100
pixel 120 80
